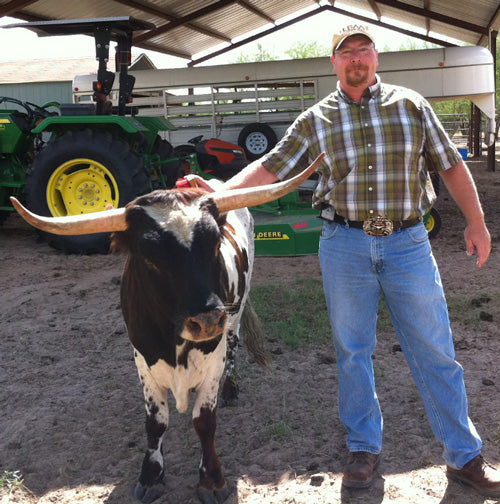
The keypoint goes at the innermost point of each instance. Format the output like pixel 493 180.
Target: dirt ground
pixel 72 420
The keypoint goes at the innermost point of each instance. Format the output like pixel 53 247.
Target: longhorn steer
pixel 184 286
pixel 183 289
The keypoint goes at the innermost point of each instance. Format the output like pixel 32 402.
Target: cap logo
pixel 350 28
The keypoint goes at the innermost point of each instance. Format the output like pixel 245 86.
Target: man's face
pixel 355 62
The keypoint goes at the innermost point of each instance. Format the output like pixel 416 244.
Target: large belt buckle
pixel 377 226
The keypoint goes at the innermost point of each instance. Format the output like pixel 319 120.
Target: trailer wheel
pixel 83 172
pixel 257 139
pixel 432 221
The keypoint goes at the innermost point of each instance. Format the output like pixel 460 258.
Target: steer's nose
pixel 205 326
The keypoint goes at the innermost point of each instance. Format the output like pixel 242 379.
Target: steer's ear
pixel 208 205
pixel 118 243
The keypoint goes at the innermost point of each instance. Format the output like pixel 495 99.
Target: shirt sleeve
pixel 290 155
pixel 440 152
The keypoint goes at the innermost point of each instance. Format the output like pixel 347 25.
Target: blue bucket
pixel 463 153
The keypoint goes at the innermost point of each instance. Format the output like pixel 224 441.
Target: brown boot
pixel 359 471
pixel 478 474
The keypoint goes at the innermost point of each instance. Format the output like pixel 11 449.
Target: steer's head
pixel 173 276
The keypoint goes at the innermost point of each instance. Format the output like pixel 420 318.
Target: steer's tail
pixel 253 336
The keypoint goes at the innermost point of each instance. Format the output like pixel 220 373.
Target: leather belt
pixel 396 225
pixel 373 226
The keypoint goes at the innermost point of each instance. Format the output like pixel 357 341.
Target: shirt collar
pixel 371 92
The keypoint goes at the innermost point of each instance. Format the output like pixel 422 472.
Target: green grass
pixel 280 430
pixel 11 480
pixel 294 313
pixel 384 321
pixel 470 310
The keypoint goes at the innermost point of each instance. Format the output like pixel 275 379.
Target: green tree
pixel 302 50
pixel 412 44
pixel 261 55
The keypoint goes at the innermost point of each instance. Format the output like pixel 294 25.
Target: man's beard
pixel 357 76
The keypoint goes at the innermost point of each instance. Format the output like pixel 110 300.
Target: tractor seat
pixel 22 121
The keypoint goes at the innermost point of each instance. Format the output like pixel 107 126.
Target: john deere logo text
pixel 270 235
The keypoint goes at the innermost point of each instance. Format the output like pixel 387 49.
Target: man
pixel 374 188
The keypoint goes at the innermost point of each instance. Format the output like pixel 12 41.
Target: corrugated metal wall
pixel 39 92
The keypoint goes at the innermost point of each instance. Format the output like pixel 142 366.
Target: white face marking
pixel 180 219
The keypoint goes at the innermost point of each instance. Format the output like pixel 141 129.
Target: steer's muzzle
pixel 205 326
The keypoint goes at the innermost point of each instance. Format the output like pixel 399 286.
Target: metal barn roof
pixel 187 27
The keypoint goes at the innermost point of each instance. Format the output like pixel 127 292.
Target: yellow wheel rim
pixel 429 225
pixel 81 186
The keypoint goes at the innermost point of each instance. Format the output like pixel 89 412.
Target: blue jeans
pixel 356 270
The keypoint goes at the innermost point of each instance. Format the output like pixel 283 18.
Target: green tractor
pixel 67 159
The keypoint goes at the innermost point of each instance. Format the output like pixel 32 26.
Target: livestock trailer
pixel 252 104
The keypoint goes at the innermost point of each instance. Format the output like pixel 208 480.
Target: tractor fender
pixel 65 123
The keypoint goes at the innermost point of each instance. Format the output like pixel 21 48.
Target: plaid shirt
pixel 379 152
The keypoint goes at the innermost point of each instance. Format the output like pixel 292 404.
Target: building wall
pixel 39 92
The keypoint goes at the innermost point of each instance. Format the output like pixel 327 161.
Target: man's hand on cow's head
pixel 210 185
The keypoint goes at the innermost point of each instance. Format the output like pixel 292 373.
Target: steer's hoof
pixel 213 496
pixel 149 494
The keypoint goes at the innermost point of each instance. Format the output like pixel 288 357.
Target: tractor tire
pixel 257 139
pixel 82 172
pixel 432 222
pixel 4 215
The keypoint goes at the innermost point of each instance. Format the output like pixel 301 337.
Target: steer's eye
pixel 217 249
pixel 151 264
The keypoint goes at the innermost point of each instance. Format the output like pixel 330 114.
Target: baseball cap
pixel 349 31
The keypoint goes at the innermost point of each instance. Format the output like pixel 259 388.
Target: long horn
pixel 97 222
pixel 253 196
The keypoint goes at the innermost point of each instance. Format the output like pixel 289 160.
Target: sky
pixel 23 44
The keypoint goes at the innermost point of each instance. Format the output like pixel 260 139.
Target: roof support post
pixel 490 163
pixel 476 131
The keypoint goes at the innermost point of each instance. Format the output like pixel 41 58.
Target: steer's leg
pixel 151 485
pixel 230 389
pixel 212 488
